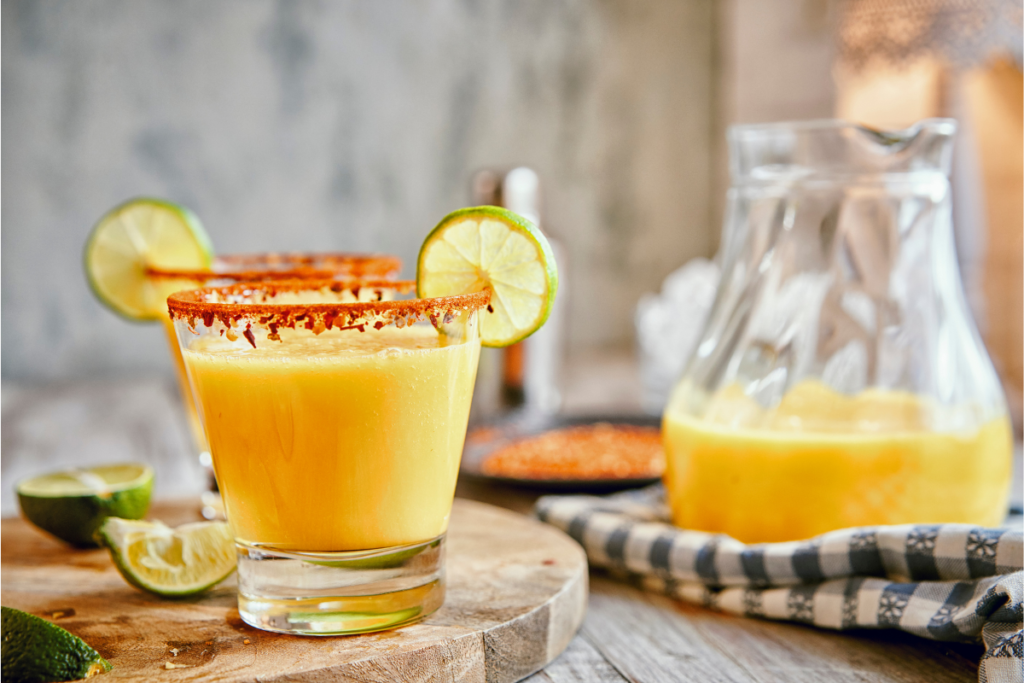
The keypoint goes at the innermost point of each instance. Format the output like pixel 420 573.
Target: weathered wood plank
pixel 651 638
pixel 645 638
pixel 580 663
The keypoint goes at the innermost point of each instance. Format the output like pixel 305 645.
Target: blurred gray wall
pixel 306 125
pixel 774 63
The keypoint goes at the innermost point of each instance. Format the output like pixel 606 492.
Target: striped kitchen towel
pixel 944 581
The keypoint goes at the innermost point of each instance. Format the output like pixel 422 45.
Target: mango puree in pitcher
pixel 822 460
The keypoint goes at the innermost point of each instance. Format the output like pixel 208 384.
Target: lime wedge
pixel 72 504
pixel 487 246
pixel 138 234
pixel 37 650
pixel 171 563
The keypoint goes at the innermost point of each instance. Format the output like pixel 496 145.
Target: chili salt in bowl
pixel 487 440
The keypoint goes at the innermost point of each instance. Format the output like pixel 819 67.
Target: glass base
pixel 324 594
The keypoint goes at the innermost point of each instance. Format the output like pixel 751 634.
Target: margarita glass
pixel 236 268
pixel 336 425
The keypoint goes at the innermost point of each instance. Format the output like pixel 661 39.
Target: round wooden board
pixel 517 593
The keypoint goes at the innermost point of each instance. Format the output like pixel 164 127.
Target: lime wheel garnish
pixel 488 247
pixel 138 235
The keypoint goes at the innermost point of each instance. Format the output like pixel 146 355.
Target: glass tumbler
pixel 840 380
pixel 336 426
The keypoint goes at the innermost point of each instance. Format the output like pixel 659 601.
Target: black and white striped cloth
pixel 949 582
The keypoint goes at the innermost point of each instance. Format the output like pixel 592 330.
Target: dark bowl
pixel 487 438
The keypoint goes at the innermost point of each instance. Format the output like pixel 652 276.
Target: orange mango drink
pixel 364 430
pixel 821 460
pixel 256 268
pixel 340 438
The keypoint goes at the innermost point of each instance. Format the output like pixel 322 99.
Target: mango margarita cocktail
pixel 235 268
pixel 365 428
pixel 336 412
pixel 336 427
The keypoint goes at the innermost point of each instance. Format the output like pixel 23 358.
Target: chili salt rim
pixel 304 265
pixel 255 276
pixel 192 307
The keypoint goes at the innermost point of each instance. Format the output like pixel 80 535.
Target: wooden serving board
pixel 517 593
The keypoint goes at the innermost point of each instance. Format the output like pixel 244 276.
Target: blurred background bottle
pixel 525 376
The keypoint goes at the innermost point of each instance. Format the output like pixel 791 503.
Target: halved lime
pixel 171 563
pixel 38 650
pixel 487 246
pixel 72 504
pixel 138 234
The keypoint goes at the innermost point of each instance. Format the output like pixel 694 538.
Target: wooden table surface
pixel 628 635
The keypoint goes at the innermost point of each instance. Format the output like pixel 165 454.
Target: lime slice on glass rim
pixel 72 504
pixel 490 247
pixel 171 563
pixel 138 234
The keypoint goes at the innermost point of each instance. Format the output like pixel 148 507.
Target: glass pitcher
pixel 840 380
